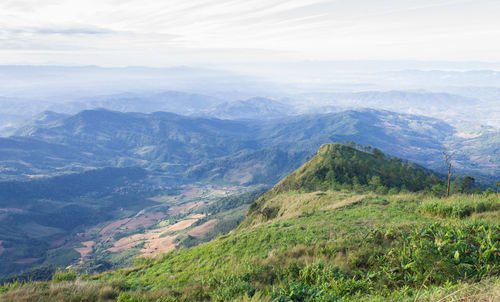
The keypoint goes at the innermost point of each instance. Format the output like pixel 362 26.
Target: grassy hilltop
pixel 348 225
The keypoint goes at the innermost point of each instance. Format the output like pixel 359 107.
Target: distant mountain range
pixel 191 146
pixel 253 108
pixel 452 108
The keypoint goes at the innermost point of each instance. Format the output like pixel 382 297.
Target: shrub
pixel 270 213
pixel 64 276
pixel 295 291
pixel 108 292
pixel 226 288
pixel 9 286
pixel 125 297
pixel 436 253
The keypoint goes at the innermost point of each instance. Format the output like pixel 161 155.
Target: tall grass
pixel 460 206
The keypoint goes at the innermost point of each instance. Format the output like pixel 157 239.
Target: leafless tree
pixel 447 159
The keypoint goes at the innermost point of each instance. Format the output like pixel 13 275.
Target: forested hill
pixel 354 168
pixel 336 166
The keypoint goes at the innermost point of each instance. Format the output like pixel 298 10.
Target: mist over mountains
pixel 231 92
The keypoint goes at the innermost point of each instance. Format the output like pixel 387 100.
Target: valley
pixel 165 174
pixel 344 225
pixel 103 227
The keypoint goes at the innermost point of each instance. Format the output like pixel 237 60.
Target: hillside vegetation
pixel 41 219
pixel 327 232
pixel 193 149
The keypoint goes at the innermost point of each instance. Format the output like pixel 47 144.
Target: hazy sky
pixel 172 32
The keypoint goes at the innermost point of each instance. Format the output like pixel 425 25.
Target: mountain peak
pixel 352 167
pixel 336 166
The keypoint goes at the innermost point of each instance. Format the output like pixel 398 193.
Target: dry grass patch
pixel 300 204
pixel 485 291
pixel 79 290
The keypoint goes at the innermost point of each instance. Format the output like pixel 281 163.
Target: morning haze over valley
pixel 213 150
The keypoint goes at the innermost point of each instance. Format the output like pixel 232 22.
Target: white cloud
pixel 136 32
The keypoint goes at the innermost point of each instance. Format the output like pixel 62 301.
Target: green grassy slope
pixel 319 242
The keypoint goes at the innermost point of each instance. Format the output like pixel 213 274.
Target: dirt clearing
pixel 85 251
pixel 26 261
pixel 58 240
pixel 203 229
pixel 133 223
pixel 114 225
pixel 159 245
pixel 126 243
pixel 183 207
pixel 153 242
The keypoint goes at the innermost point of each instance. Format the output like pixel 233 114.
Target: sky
pixel 183 32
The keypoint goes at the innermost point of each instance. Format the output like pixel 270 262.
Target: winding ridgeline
pixel 350 224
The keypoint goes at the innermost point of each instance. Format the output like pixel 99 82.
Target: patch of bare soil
pixel 202 229
pixel 85 251
pixel 145 220
pixel 179 226
pixel 193 191
pixel 153 242
pixel 58 240
pixel 5 212
pixel 26 260
pixel 182 207
pixel 126 243
pixel 187 193
pixel 468 134
pixel 114 225
pixel 159 245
